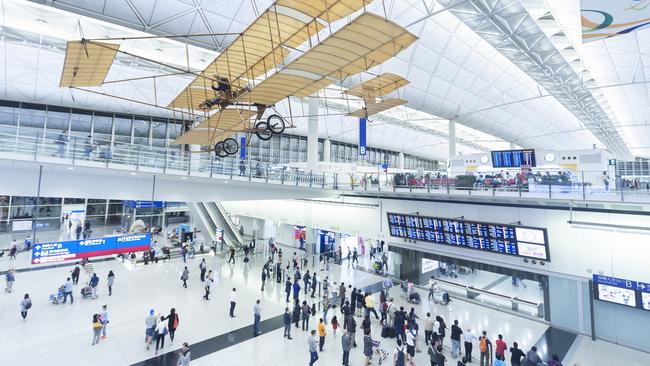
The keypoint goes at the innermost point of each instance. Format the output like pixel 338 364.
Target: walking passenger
pixel 456 332
pixel 257 315
pixel 185 276
pixel 25 305
pixel 97 328
pixel 103 318
pixel 184 355
pixel 109 282
pixel 286 318
pixel 172 323
pixel 346 343
pixel 150 324
pixel 313 354
pixel 233 302
pixel 321 334
pixel 67 291
pixel 305 311
pixel 161 332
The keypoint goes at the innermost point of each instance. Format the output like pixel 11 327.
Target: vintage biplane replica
pixel 290 50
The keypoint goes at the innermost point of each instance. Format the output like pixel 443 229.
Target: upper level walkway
pixel 111 156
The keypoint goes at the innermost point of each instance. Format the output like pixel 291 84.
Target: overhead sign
pixel 76 249
pixel 606 18
pixel 144 204
pixel 621 291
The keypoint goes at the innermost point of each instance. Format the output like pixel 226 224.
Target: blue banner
pixel 616 282
pixel 76 249
pixel 145 204
pixel 242 148
pixel 362 136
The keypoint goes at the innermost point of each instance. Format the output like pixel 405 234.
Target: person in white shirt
pixel 257 315
pixel 161 332
pixel 410 341
pixel 233 302
pixel 469 338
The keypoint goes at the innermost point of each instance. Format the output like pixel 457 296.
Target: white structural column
pixel 312 132
pixel 452 139
pixel 400 161
pixel 327 150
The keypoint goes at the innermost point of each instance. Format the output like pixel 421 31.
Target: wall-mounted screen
pixel 513 158
pixel 623 292
pixel 519 241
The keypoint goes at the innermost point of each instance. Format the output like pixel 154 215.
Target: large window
pixel 141 131
pixel 122 129
pixel 9 112
pixel 102 128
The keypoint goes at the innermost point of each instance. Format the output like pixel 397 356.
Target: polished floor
pixel 61 334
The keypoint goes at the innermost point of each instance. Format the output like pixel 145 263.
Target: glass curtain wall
pixel 37 121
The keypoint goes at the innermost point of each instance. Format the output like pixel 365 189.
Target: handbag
pixel 176 322
pixel 165 331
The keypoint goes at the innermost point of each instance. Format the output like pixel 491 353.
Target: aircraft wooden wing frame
pixel 87 63
pixel 375 108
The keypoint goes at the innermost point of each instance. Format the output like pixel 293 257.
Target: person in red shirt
pixel 501 346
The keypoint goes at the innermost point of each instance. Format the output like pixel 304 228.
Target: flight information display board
pixel 522 241
pixel 623 292
pixel 513 158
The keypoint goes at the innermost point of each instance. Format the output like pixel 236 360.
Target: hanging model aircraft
pixel 237 92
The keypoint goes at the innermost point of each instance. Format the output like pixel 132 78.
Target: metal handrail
pixel 35 145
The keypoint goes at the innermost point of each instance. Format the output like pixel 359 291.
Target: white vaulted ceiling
pixel 455 72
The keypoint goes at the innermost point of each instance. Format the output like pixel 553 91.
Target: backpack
pixel 400 357
pixel 483 344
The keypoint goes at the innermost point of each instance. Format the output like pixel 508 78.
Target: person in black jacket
pixel 400 317
pixel 516 355
pixel 287 323
pixel 456 331
pixel 352 329
pixel 287 288
pixel 296 314
pixel 172 323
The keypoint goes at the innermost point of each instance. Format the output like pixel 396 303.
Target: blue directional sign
pixel 144 204
pixel 643 287
pixel 616 282
pixel 75 249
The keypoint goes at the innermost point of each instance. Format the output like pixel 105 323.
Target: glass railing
pixel 53 147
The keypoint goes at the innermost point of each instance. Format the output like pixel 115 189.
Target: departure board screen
pixel 513 158
pixel 521 241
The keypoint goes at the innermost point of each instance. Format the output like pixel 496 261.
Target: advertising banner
pixel 606 18
pixel 76 249
pixel 242 148
pixel 362 136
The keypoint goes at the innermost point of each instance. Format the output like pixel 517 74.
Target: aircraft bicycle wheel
pixel 230 146
pixel 262 131
pixel 276 123
pixel 219 150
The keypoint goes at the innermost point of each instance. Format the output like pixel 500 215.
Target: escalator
pixel 203 221
pixel 219 215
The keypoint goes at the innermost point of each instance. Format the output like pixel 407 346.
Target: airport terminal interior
pixel 324 182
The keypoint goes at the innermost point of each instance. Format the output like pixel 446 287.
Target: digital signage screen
pixel 615 290
pixel 519 241
pixel 513 158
